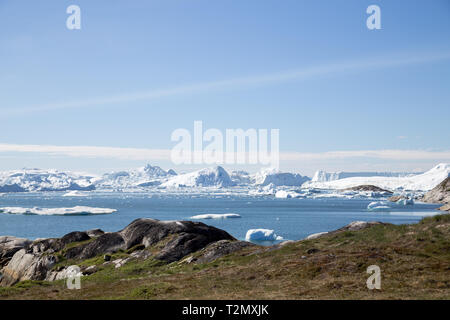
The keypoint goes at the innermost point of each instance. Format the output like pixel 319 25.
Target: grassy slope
pixel 414 259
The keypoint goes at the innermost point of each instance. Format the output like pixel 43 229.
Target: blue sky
pixel 137 70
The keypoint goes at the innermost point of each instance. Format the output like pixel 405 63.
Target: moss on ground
pixel 414 261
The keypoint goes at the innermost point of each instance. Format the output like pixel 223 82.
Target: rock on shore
pixel 440 194
pixel 174 240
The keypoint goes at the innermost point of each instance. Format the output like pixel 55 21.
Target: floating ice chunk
pixel 378 206
pixel 78 210
pixel 405 202
pixel 216 216
pixel 281 194
pixel 75 194
pixel 262 235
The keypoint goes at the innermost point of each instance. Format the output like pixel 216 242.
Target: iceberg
pixel 405 202
pixel 78 210
pixel 323 176
pixel 241 177
pixel 277 178
pixel 35 180
pixel 378 206
pixel 282 194
pixel 418 182
pixel 147 176
pixel 216 216
pixel 75 194
pixel 262 235
pixel 209 177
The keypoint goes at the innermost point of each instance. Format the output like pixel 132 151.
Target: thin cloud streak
pixel 90 151
pixel 307 73
pixel 409 155
pixel 142 154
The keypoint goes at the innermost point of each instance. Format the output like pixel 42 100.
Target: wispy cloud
pixel 142 154
pixel 90 151
pixel 262 79
pixel 409 155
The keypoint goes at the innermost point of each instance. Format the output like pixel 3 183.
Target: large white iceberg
pixel 148 176
pixel 78 210
pixel 26 180
pixel 209 177
pixel 277 178
pixel 323 176
pixel 262 235
pixel 419 182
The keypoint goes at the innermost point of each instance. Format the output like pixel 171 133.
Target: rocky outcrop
pixel 217 250
pixel 173 240
pixel 368 187
pixel 26 266
pixel 9 246
pixel 396 198
pixel 439 194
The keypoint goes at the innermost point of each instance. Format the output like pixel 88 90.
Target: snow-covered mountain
pixel 323 176
pixel 277 178
pixel 209 177
pixel 147 176
pixel 419 182
pixel 26 180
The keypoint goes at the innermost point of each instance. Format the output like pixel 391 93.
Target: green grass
pixel 414 259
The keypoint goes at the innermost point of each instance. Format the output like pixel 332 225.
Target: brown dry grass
pixel 414 260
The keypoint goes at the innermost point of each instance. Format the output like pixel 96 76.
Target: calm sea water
pixel 292 219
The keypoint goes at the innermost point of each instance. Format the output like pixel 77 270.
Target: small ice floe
pixel 262 235
pixel 78 210
pixel 75 193
pixel 216 216
pixel 281 194
pixel 378 206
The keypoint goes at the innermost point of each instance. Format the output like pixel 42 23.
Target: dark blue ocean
pixel 292 219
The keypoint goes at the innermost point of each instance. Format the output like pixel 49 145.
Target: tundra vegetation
pixel 414 261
